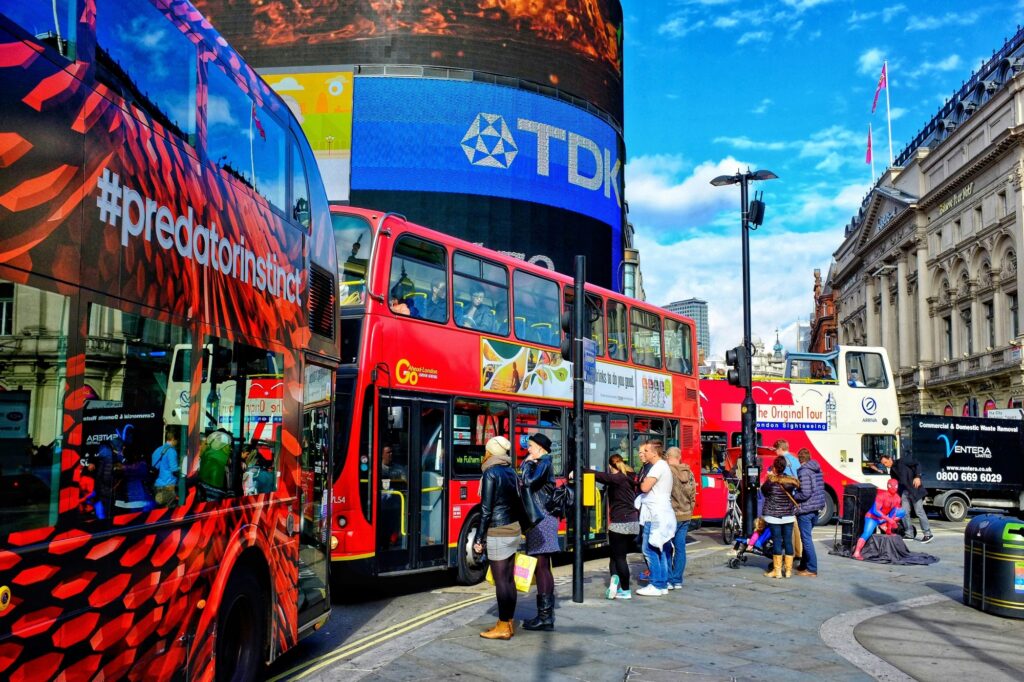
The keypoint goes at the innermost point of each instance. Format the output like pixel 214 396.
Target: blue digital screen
pixel 419 134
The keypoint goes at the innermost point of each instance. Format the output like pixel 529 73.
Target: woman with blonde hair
pixel 623 524
pixel 499 529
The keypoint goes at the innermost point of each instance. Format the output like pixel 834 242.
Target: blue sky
pixel 713 86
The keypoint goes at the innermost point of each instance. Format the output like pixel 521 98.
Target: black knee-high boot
pixel 545 619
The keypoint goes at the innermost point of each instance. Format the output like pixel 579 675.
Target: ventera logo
pixel 956 448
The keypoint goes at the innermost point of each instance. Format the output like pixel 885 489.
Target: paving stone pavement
pixel 728 624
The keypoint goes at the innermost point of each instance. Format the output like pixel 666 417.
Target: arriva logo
pixel 869 405
pixel 489 142
pixel 973 450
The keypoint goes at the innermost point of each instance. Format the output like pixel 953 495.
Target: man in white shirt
pixel 657 517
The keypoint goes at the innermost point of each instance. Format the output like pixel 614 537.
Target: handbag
pixel 562 502
pixel 529 515
pixel 523 572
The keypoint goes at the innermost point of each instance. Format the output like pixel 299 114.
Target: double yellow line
pixel 369 641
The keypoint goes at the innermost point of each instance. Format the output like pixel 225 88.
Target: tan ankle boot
pixel 776 570
pixel 787 572
pixel 502 630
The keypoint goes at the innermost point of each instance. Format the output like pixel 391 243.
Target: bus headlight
pixel 334 542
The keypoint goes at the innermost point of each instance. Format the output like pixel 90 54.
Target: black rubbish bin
pixel 994 565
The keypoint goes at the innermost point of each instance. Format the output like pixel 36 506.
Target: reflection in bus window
pixel 415 266
pixel 129 365
pixel 244 139
pixel 678 348
pixel 531 420
pixel 712 450
pixel 866 370
pixel 594 321
pixel 135 44
pixel 645 429
pixel 480 293
pixel 352 241
pixel 300 189
pixel 32 402
pixel 52 23
pixel 618 349
pixel 810 370
pixel 475 422
pixel 537 304
pixel 645 328
pixel 872 448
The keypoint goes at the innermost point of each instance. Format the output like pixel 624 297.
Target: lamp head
pixel 763 175
pixel 723 180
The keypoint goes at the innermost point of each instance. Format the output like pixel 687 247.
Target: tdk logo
pixel 973 450
pixel 489 142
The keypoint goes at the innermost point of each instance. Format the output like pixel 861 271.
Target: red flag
pixel 867 158
pixel 256 120
pixel 881 84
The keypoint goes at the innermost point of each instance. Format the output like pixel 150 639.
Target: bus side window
pixel 138 70
pixel 132 423
pixel 866 370
pixel 33 409
pixel 618 349
pixel 300 212
pixel 51 23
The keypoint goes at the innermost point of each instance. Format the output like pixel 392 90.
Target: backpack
pixel 684 491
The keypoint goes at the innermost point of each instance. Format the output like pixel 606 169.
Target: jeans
pixel 806 523
pixel 782 538
pixel 919 510
pixel 678 563
pixel 657 560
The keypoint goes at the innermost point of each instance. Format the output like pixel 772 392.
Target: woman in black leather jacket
pixel 541 540
pixel 499 529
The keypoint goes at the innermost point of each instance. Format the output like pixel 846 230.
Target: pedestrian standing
pixel 624 524
pixel 541 540
pixel 912 494
pixel 778 513
pixel 165 460
pixel 657 518
pixel 810 498
pixel 684 494
pixel 499 530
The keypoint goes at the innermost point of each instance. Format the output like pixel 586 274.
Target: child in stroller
pixel 759 544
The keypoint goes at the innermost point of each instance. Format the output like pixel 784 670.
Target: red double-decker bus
pixel 168 286
pixel 446 344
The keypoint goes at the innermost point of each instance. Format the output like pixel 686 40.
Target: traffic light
pixel 739 364
pixel 566 323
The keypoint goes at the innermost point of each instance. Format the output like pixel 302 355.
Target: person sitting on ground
pixel 885 513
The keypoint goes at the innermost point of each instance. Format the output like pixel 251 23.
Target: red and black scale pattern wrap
pixel 138 599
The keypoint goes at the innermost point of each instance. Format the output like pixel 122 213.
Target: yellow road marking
pixel 376 638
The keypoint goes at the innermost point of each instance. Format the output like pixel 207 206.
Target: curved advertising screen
pixel 426 135
pixel 571 45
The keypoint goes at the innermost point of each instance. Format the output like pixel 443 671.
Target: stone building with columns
pixel 928 266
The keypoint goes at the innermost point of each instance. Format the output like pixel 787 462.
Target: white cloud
pixel 219 111
pixel 924 23
pixel 744 142
pixel 830 164
pixel 287 84
pixel 802 5
pixel 950 63
pixel 657 193
pixel 751 36
pixel 897 112
pixel 870 62
pixel 886 15
pixel 762 107
pixel 679 26
pixel 708 266
pixel 726 22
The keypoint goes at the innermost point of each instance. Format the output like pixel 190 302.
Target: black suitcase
pixel 858 498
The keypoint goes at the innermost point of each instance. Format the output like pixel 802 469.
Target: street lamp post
pixel 748 410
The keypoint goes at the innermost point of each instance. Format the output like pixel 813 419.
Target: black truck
pixel 967 461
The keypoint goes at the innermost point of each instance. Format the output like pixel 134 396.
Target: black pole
pixel 748 410
pixel 579 309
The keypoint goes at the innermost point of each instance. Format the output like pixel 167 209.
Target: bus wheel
pixel 241 628
pixel 827 512
pixel 470 572
pixel 955 508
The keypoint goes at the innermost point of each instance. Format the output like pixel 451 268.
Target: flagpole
pixel 888 113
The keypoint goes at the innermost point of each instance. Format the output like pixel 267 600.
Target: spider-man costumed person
pixel 886 512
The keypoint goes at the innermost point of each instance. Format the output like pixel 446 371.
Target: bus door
pixel 596 518
pixel 315 493
pixel 411 518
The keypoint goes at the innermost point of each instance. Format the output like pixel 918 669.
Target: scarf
pixel 491 460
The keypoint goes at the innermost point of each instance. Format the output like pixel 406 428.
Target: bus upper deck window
pixel 866 370
pixel 134 61
pixel 618 343
pixel 51 23
pixel 300 189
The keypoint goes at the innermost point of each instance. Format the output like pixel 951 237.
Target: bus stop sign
pixel 589 361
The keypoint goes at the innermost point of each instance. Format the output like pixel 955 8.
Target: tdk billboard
pixel 427 135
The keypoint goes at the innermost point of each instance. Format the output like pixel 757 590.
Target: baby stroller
pixel 760 545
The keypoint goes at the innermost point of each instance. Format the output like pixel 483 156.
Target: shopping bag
pixel 525 566
pixel 490 576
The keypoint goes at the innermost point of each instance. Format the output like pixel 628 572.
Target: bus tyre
pixel 470 571
pixel 241 628
pixel 955 508
pixel 827 512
